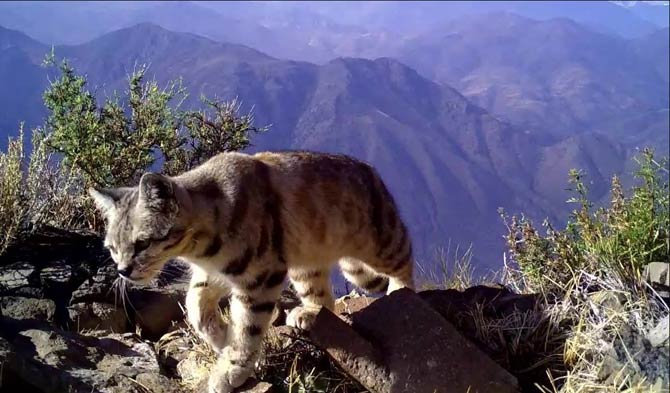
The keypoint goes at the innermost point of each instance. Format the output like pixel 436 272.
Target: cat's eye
pixel 141 245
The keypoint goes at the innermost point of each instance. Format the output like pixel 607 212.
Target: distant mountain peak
pixel 154 38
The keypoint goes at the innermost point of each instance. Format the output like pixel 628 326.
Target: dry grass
pixel 294 365
pixel 447 270
pixel 607 347
pixel 37 190
pixel 591 336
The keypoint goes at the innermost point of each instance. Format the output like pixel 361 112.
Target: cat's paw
pixel 229 373
pixel 302 317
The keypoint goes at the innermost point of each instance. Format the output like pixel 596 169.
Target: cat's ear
pixel 157 192
pixel 106 198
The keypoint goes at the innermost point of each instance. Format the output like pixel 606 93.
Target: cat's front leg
pixel 202 308
pixel 251 308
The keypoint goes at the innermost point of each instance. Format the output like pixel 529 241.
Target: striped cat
pixel 245 222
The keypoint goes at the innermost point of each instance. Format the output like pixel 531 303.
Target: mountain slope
pixel 653 48
pixel 22 81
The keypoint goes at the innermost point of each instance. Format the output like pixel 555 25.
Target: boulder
pixel 157 309
pixel 426 353
pixel 351 352
pixel 98 316
pixel 99 287
pixel 28 308
pixel 16 277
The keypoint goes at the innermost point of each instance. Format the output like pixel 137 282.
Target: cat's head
pixel 143 229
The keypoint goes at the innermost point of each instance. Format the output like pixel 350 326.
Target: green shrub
pixel 115 143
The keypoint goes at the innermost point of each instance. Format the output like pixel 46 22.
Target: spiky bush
pixel 37 190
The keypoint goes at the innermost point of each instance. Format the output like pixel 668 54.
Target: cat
pixel 245 222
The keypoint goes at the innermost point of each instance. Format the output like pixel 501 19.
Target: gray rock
pixel 28 308
pixel 658 275
pixel 157 309
pixel 16 276
pixel 153 309
pixel 658 272
pixel 190 369
pixel 58 274
pixel 98 316
pixel 53 360
pixel 660 334
pixel 98 288
pixel 648 366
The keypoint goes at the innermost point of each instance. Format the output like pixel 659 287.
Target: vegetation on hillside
pixel 598 311
pixel 592 329
pixel 84 143
pixel 620 239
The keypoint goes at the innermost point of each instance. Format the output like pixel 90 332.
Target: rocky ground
pixel 65 327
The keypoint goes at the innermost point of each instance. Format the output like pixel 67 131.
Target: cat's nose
pixel 126 271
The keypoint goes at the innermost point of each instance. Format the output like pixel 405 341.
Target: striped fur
pixel 245 223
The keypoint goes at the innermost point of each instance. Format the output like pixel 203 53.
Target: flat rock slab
pixel 251 386
pixel 352 353
pixel 399 343
pixel 350 305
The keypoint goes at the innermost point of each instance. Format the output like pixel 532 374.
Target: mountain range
pixel 552 77
pixel 314 31
pixel 494 122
